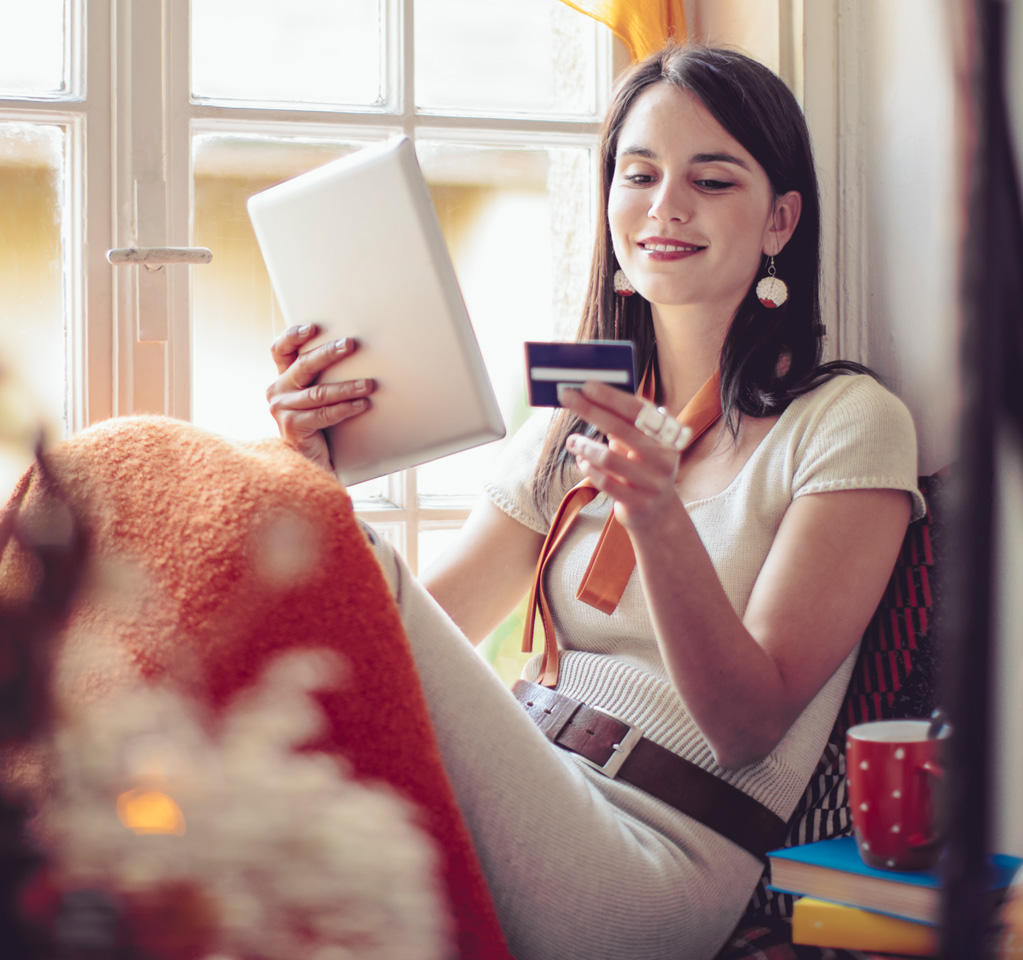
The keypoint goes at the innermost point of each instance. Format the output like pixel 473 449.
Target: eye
pixel 714 185
pixel 638 178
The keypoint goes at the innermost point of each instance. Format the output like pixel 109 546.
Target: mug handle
pixel 938 772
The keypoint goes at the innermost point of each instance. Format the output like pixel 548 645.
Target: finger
pixel 658 424
pixel 623 432
pixel 626 405
pixel 648 475
pixel 613 486
pixel 329 394
pixel 285 347
pixel 631 505
pixel 308 366
pixel 297 424
pixel 611 422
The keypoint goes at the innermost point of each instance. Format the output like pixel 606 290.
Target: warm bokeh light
pixel 150 811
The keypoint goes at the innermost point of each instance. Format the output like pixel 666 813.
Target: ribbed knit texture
pixel 579 867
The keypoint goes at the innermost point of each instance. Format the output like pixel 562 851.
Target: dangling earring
pixel 623 285
pixel 771 291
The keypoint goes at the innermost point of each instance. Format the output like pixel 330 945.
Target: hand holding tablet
pixel 355 248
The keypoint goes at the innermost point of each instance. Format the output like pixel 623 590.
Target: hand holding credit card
pixel 549 365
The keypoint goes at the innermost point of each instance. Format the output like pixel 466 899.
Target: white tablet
pixel 355 247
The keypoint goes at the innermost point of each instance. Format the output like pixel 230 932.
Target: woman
pixel 760 553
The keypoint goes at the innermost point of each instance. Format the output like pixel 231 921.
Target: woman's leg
pixel 570 873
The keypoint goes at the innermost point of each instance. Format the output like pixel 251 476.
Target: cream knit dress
pixel 585 867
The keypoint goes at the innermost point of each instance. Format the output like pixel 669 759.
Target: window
pixel 504 141
pixel 41 125
pixel 215 100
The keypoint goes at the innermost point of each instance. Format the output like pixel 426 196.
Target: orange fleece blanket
pixel 233 554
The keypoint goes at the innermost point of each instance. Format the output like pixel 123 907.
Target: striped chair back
pixel 896 676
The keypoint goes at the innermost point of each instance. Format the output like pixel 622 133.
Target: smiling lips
pixel 660 248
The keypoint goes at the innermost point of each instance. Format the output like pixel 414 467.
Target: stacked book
pixel 842 903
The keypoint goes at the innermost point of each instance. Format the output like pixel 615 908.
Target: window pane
pixel 235 315
pixel 434 539
pixel 32 330
pixel 503 648
pixel 526 57
pixel 393 533
pixel 34 47
pixel 517 222
pixel 303 52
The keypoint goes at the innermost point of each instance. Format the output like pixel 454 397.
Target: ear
pixel 784 217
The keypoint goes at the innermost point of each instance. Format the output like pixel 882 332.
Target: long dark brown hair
pixel 759 111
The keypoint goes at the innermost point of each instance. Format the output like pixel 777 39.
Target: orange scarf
pixel 613 560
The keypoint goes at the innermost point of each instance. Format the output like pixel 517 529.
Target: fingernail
pixel 565 392
pixel 304 329
pixel 359 385
pixel 358 405
pixel 572 443
pixel 342 344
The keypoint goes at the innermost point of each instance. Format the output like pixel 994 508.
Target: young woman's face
pixel 690 210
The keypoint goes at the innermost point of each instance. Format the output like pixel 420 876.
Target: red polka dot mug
pixel 895 775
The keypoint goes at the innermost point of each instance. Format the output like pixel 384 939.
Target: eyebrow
pixel 719 157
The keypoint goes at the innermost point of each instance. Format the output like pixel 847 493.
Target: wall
pixel 902 167
pixel 909 181
pixel 748 25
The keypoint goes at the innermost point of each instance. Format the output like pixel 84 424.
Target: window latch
pixel 153 258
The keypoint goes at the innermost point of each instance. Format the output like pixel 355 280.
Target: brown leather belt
pixel 620 751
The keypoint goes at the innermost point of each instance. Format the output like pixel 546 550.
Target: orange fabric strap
pixel 613 560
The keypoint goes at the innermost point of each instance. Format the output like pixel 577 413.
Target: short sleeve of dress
pixel 510 484
pixel 862 438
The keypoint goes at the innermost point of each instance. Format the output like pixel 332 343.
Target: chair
pixel 896 676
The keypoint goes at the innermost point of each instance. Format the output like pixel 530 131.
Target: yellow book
pixel 819 923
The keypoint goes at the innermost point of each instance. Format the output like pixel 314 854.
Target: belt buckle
pixel 620 751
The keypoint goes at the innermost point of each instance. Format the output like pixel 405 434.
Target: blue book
pixel 833 870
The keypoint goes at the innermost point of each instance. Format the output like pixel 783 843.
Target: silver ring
pixel 659 425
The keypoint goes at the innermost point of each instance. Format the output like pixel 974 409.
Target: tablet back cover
pixel 355 247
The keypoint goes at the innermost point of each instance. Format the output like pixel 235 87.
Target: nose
pixel 672 200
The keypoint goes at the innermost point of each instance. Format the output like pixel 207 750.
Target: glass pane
pixel 434 539
pixel 303 52
pixel 393 533
pixel 34 47
pixel 503 648
pixel 526 57
pixel 235 315
pixel 517 222
pixel 32 332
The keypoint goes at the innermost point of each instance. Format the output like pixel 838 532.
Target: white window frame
pixel 149 124
pixel 84 239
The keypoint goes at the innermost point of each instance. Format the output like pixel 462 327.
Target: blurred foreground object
pixel 1010 943
pixel 218 837
pixel 206 563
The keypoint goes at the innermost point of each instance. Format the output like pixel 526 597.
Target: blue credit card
pixel 550 364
